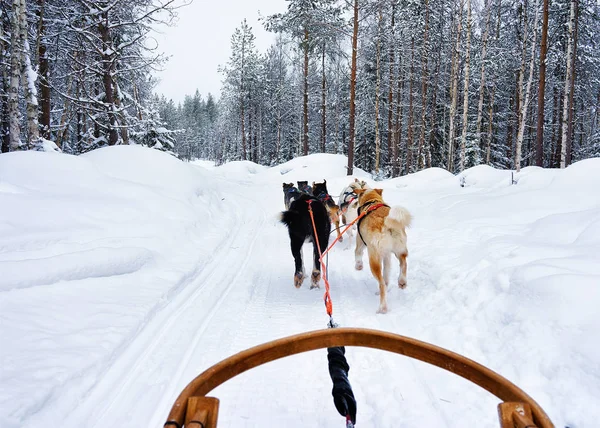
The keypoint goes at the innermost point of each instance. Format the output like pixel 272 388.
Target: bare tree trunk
pixel 433 122
pixel 123 130
pixel 490 135
pixel 558 145
pixel 569 154
pixel 568 77
pixel 490 127
pixel 555 143
pixel 424 79
pixel 256 132
pixel 454 90
pixel 391 136
pixel 305 116
pixel 62 128
pixel 15 77
pixel 108 68
pixel 525 103
pixel 409 137
pixel 539 142
pixel 250 129
pixel 323 105
pixel 399 121
pixel 242 100
pixel 434 126
pixel 486 33
pixel 43 73
pixel 4 111
pixel 353 90
pixel 463 139
pixel 377 84
pixel 29 77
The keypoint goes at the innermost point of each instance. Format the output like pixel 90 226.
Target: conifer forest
pixel 396 85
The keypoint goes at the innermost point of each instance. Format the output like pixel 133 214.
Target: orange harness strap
pixel 327 296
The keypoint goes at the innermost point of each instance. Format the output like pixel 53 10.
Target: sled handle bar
pixel 518 409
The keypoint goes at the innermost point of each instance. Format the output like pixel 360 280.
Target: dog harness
pixel 324 197
pixel 370 207
pixel 344 205
pixel 305 188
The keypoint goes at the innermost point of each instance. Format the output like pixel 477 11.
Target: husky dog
pixel 321 193
pixel 290 194
pixel 305 188
pixel 348 203
pixel 383 231
pixel 300 227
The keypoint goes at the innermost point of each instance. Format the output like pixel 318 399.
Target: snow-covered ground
pixel 124 273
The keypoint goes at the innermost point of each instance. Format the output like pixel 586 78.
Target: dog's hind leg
pixel 403 266
pixel 387 260
pixel 358 253
pixel 336 221
pixel 316 273
pixel 296 243
pixel 375 264
pixel 345 223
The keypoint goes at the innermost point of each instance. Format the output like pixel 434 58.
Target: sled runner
pixel 193 409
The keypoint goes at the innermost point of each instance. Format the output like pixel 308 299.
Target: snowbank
pixel 90 246
pixel 125 273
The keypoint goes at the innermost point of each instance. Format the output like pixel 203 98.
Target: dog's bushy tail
pixel 288 217
pixel 399 217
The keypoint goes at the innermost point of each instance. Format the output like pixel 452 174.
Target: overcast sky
pixel 200 42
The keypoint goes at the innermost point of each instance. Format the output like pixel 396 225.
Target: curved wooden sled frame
pixel 193 409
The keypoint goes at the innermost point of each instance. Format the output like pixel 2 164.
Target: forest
pixel 396 85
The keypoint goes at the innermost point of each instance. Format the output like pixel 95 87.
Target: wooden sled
pixel 193 409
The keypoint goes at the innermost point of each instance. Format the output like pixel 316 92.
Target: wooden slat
pixel 515 415
pixel 204 410
pixel 447 360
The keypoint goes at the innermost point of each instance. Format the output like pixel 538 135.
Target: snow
pixel 126 272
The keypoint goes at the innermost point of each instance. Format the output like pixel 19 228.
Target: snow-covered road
pixel 125 273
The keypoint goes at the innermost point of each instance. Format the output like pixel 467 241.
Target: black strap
pixel 368 205
pixel 343 397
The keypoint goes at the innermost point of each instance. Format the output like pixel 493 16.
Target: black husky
pixel 290 194
pixel 305 188
pixel 321 193
pixel 300 227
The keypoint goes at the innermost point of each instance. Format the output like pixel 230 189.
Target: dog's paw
pixel 341 238
pixel 298 279
pixel 402 283
pixel 316 277
pixel 358 265
pixel 382 309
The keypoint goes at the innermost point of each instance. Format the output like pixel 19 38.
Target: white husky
pixel 348 202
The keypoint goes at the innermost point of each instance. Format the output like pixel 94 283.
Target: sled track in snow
pixel 163 338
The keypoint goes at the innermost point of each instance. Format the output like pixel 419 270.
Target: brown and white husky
pixel 383 232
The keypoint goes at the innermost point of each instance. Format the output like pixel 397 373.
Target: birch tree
pixel 352 119
pixel 454 88
pixel 567 87
pixel 15 76
pixel 525 102
pixel 465 123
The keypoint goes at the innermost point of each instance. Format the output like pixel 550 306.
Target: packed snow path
pixel 161 270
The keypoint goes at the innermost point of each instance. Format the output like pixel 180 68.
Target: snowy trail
pixel 164 349
pixel 107 319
